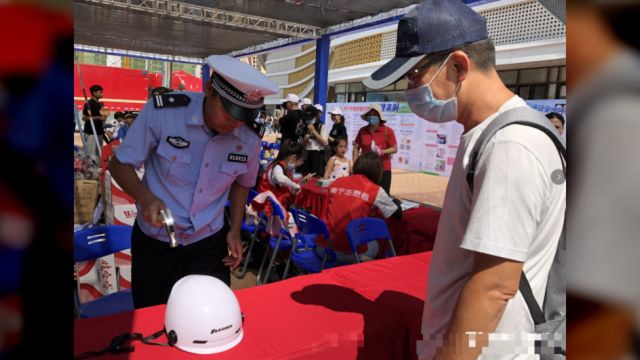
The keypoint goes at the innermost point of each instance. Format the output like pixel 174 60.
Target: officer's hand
pixel 151 206
pixel 235 250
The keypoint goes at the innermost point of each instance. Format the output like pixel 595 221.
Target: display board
pixel 422 146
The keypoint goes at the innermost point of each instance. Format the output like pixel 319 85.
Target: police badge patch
pixel 178 142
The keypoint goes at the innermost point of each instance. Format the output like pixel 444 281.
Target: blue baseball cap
pixel 432 26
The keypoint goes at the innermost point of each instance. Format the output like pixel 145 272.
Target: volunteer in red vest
pixel 355 197
pixel 379 138
pixel 278 178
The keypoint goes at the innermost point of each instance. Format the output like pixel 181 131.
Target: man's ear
pixel 461 63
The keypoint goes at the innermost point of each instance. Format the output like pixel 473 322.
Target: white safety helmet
pixel 203 316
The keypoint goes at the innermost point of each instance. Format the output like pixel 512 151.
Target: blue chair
pixel 309 228
pixel 254 230
pixel 282 242
pixel 94 243
pixel 366 230
pixel 11 265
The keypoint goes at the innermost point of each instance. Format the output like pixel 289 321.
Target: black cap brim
pixel 238 112
pixel 391 72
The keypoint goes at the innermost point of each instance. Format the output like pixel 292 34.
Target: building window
pixel 92 58
pixel 357 92
pixel 536 83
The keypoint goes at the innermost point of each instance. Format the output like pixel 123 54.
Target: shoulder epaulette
pixel 171 100
pixel 257 128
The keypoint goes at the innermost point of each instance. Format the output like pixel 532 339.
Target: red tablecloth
pixel 415 233
pixel 313 198
pixel 366 311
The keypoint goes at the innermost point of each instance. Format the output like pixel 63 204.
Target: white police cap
pixel 242 88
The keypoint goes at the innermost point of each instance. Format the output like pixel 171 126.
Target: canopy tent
pixel 199 28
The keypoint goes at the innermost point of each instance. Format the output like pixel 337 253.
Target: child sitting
pixel 355 197
pixel 278 176
pixel 338 165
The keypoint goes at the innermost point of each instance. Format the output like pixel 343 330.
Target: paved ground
pixel 248 281
pixel 419 187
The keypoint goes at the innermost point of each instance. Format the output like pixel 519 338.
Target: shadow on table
pixel 391 322
pixel 96 334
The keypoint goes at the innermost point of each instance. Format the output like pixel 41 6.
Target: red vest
pixel 282 193
pixel 350 198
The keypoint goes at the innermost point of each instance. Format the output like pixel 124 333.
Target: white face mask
pixel 424 104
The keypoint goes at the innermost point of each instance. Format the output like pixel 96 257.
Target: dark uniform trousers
pixel 156 267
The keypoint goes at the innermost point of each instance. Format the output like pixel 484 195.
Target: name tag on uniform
pixel 178 142
pixel 239 158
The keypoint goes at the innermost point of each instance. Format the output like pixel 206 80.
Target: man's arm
pixel 238 198
pixel 316 135
pixel 131 154
pixel 127 178
pixel 493 282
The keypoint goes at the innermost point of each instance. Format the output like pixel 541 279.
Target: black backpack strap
pixel 528 117
pixel 521 116
pixel 532 304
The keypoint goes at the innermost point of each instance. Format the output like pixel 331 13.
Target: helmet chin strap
pixel 121 344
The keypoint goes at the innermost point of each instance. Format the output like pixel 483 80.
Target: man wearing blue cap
pixel 511 221
pixel 198 150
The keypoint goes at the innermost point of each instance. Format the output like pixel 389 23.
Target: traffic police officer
pixel 198 150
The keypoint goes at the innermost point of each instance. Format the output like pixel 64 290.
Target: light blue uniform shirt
pixel 188 167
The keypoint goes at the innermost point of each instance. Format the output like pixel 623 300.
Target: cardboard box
pixel 85 200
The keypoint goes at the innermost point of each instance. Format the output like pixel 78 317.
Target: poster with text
pixel 422 146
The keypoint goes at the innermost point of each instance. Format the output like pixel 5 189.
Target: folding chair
pixel 366 230
pixel 254 230
pixel 309 228
pixel 282 242
pixel 94 243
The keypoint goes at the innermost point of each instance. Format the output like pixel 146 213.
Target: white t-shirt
pixel 277 176
pixel 313 144
pixel 516 212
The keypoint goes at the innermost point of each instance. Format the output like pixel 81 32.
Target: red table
pixel 415 233
pixel 366 311
pixel 313 198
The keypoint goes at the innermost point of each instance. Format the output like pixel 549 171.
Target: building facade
pixel 529 35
